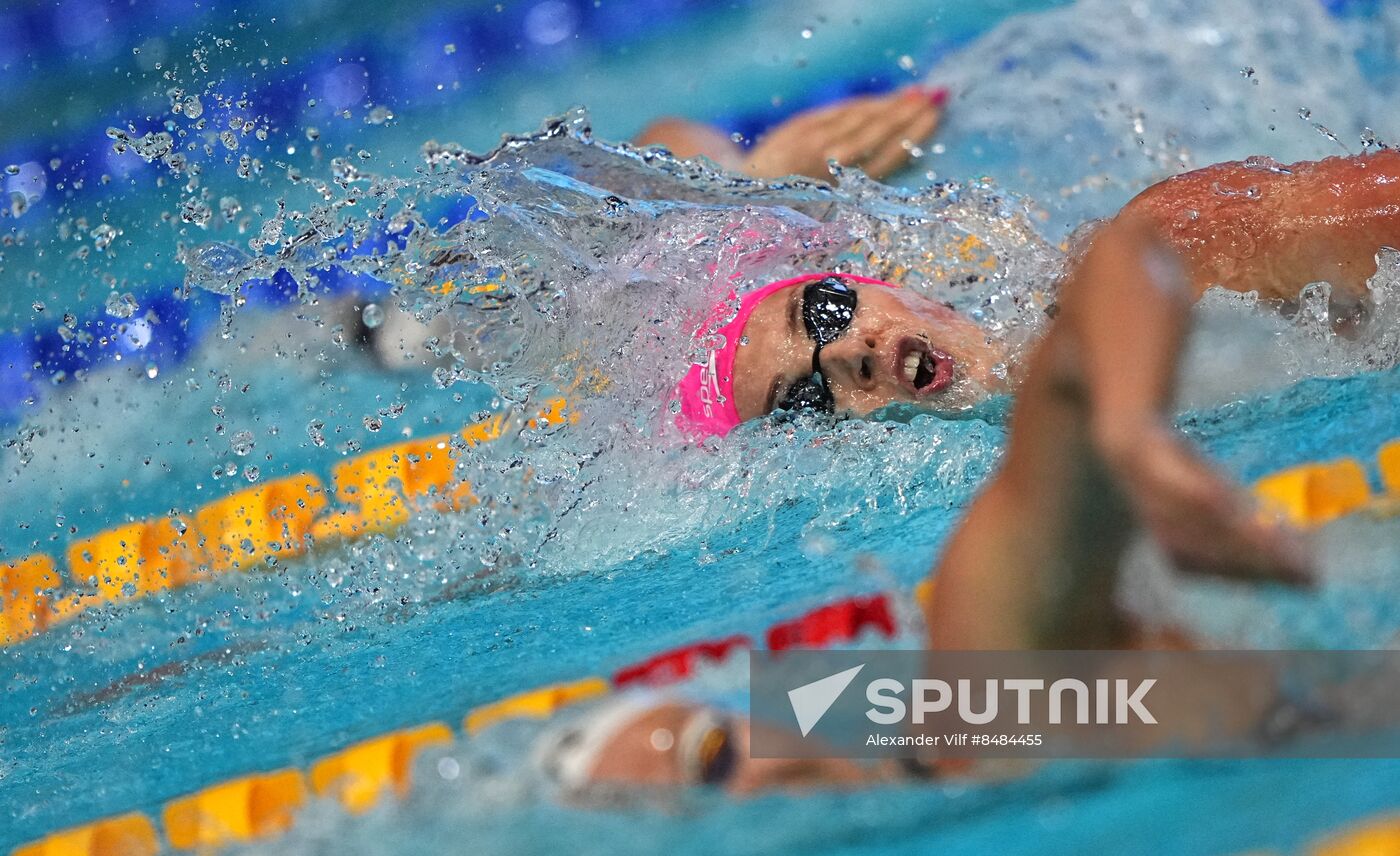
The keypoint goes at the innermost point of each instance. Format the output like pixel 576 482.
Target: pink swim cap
pixel 706 392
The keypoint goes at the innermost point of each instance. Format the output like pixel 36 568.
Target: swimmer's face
pixel 647 751
pixel 900 347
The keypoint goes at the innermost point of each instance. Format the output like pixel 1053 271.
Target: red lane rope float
pixel 834 624
pixel 263 805
pixel 678 664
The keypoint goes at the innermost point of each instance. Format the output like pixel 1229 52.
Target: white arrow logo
pixel 810 702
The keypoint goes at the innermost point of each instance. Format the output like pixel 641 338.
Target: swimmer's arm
pixel 1093 454
pixel 686 140
pixel 1274 229
pixel 877 133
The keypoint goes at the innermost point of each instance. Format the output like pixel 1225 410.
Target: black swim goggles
pixel 828 306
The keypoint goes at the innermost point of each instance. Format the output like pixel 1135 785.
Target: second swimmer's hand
pixel 875 133
pixel 1202 520
pixel 1127 310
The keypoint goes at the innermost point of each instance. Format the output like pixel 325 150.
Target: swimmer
pixel 876 133
pixel 1092 452
pixel 850 346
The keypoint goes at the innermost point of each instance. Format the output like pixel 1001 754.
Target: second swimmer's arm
pixel 1262 226
pixel 1092 455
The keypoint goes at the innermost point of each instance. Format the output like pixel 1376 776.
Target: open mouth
pixel 921 369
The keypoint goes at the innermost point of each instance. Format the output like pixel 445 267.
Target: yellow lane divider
pixel 537 704
pixel 243 809
pixel 359 776
pixel 1375 837
pixel 244 530
pixel 1317 493
pixel 1388 458
pixel 127 835
pixel 1314 494
pixel 24 602
pixel 376 491
pixel 264 805
pixel 379 490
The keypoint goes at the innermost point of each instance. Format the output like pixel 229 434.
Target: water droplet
pixel 1266 164
pixel 229 208
pixel 806 32
pixel 217 267
pixel 103 235
pixel 241 443
pixel 121 305
pixel 372 315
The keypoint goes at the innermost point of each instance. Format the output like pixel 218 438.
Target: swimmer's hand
pixel 1127 310
pixel 1093 455
pixel 1204 522
pixel 875 133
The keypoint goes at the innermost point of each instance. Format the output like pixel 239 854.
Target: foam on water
pixel 1083 106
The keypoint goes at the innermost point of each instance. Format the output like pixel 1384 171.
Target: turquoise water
pixel 284 668
pixel 129 707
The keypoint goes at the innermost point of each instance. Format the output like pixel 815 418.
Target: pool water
pixel 620 547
